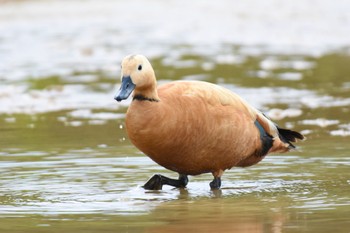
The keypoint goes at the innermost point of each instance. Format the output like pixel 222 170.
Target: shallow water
pixel 67 164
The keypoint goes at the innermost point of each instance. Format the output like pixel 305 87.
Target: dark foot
pixel 157 181
pixel 216 183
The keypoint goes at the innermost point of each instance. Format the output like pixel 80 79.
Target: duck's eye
pixel 140 67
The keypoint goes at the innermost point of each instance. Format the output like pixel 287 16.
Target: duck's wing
pixel 215 94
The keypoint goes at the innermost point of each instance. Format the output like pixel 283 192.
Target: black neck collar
pixel 143 98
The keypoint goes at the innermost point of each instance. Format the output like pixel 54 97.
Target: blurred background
pixel 67 164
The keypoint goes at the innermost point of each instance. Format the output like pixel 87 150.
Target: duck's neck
pixel 149 94
pixel 143 98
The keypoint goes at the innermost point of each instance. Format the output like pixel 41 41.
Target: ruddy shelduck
pixel 194 127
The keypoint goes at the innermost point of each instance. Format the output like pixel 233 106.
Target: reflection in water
pixel 218 215
pixel 86 183
pixel 284 191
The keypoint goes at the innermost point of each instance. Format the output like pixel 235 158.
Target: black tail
pixel 289 136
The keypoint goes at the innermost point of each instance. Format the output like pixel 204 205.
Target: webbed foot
pixel 157 181
pixel 216 183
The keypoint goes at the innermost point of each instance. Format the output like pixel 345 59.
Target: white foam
pixel 340 132
pixel 41 38
pixel 278 114
pixel 320 122
pixel 274 63
pixel 291 76
pixel 229 59
pixel 88 114
pixel 17 99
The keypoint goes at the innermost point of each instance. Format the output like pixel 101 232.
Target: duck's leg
pixel 216 183
pixel 157 181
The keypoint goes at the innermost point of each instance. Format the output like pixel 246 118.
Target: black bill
pixel 125 89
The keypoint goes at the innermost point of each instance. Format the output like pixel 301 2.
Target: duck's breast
pixel 191 131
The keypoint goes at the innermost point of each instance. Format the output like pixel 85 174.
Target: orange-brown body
pixel 191 132
pixel 194 127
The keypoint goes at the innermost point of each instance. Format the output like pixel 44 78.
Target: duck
pixel 194 127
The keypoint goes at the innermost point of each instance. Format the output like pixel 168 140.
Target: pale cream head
pixel 137 76
pixel 139 69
